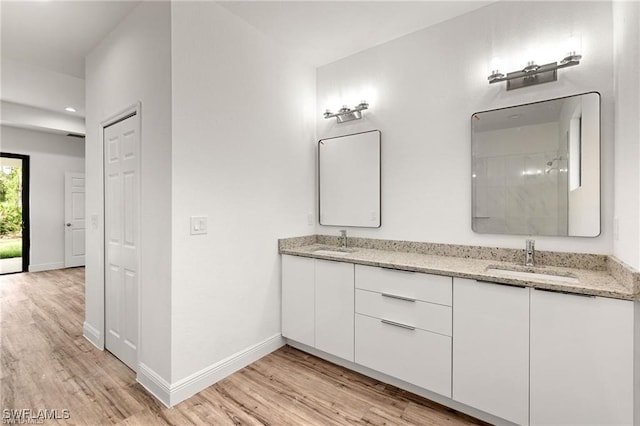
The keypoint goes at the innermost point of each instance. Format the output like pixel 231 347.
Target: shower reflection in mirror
pixel 536 168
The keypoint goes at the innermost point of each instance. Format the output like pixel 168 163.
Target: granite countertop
pixel 589 281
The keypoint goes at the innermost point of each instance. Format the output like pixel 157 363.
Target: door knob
pixel 68 224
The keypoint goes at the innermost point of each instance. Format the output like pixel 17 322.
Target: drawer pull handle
pixel 504 284
pixel 397 270
pixel 397 324
pixel 395 296
pixel 565 292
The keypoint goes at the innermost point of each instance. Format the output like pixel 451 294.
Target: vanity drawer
pixel 424 315
pixel 413 285
pixel 416 356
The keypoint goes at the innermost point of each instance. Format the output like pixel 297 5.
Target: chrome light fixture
pixel 345 113
pixel 533 74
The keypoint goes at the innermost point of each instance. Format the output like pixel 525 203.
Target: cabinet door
pixel 491 348
pixel 581 360
pixel 298 321
pixel 334 308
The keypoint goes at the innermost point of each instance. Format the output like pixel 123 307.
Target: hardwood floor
pixel 47 364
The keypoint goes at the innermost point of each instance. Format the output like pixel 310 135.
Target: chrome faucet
pixel 530 252
pixel 343 238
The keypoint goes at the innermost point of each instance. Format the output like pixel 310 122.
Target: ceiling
pixel 44 43
pixel 57 35
pixel 325 31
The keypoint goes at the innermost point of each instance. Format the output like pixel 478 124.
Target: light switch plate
pixel 94 221
pixel 198 225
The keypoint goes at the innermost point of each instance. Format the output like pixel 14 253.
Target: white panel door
pixel 491 348
pixel 122 206
pixel 334 308
pixel 74 216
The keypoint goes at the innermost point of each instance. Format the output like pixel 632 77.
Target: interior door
pixel 122 204
pixel 74 217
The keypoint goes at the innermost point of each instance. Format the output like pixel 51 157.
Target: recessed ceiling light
pixel 70 109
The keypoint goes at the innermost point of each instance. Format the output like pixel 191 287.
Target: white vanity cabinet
pixel 527 356
pixel 298 299
pixel 334 308
pixel 403 326
pixel 317 304
pixel 581 360
pixel 491 348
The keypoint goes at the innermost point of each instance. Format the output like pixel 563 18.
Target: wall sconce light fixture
pixel 347 114
pixel 534 74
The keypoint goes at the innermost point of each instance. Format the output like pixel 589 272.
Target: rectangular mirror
pixel 349 180
pixel 535 168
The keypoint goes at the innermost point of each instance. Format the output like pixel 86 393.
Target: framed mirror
pixel 535 168
pixel 349 180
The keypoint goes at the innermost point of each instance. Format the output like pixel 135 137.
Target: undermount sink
pixel 334 251
pixel 525 273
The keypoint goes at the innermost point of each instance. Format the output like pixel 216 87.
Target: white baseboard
pixel 46 267
pixel 155 384
pixel 93 335
pixel 206 377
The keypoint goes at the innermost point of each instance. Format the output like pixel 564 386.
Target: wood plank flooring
pixel 45 363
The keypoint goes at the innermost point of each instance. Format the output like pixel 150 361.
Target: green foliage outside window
pixel 10 202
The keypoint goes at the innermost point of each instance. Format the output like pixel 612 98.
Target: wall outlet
pixel 198 225
pixel 310 219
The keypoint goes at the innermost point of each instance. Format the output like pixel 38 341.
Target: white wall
pixel 50 156
pixel 133 64
pixel 423 89
pixel 244 156
pixel 626 48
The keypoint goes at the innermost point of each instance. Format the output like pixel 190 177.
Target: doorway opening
pixel 14 213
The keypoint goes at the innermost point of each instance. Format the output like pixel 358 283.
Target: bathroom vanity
pixel 546 345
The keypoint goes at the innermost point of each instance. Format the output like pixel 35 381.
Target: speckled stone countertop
pixel 597 275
